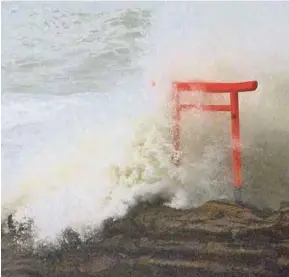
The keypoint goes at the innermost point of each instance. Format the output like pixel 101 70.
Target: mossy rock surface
pixel 216 239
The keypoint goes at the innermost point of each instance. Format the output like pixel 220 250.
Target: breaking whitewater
pixel 84 135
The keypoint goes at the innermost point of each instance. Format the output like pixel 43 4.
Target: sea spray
pixel 97 155
pixel 228 42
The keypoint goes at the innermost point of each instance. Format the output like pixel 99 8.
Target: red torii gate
pixel 209 87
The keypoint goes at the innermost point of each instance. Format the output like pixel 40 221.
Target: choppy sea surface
pixel 85 136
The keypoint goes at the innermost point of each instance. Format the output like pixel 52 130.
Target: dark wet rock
pixel 216 239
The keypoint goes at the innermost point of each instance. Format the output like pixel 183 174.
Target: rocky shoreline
pixel 216 239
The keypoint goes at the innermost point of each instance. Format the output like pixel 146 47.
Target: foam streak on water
pixel 85 137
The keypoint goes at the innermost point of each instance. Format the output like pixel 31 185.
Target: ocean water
pixel 85 136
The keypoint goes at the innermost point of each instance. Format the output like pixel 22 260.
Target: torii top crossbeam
pixel 211 87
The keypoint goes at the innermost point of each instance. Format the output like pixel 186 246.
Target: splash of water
pixel 229 42
pixel 106 167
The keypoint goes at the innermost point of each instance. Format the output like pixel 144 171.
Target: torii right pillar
pixel 208 87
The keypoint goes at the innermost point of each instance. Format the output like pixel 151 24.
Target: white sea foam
pixel 76 160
